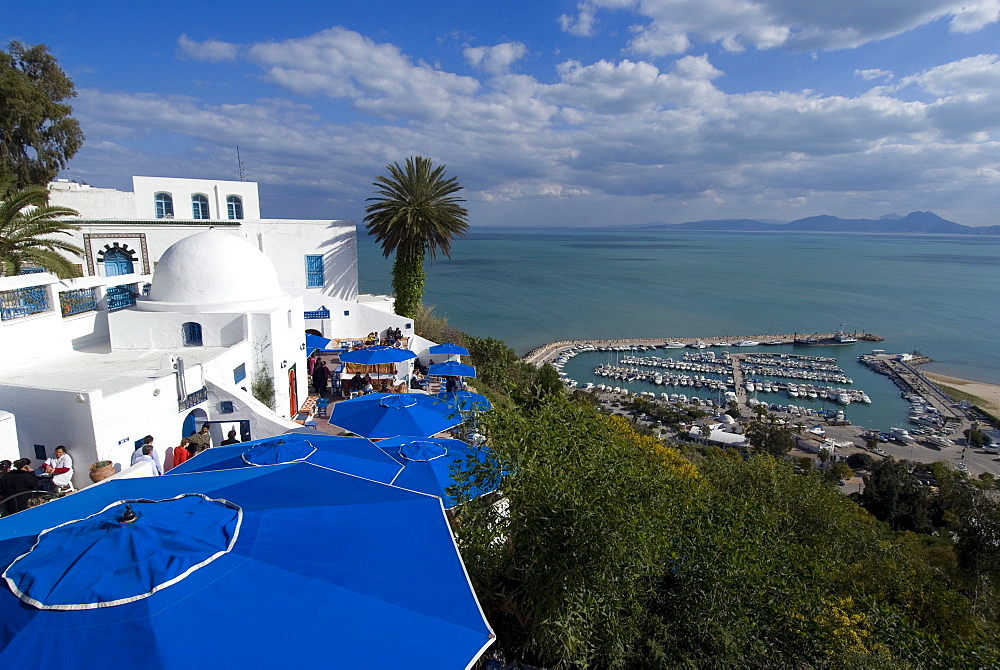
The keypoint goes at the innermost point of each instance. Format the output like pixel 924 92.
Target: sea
pixel 936 295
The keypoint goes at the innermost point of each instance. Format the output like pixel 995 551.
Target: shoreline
pixel 990 393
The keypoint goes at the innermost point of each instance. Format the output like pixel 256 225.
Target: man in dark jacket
pixel 20 479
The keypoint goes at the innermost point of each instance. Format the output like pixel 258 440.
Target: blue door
pixel 117 262
pixel 189 425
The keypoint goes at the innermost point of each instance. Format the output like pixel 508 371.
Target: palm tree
pixel 415 210
pixel 27 223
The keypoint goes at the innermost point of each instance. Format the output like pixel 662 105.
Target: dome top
pixel 212 271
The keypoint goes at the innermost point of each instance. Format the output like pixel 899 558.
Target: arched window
pixel 199 206
pixel 164 204
pixel 192 334
pixel 234 204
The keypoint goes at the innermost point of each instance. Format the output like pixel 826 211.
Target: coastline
pixel 989 393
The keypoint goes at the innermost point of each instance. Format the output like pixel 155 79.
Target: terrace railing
pixel 78 301
pixel 321 313
pixel 26 301
pixel 192 399
pixel 120 297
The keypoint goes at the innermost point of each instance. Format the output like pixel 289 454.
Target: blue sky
pixel 592 113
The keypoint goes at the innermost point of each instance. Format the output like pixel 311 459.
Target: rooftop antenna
pixel 241 169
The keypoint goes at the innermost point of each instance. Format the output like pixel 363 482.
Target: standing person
pixel 451 386
pixel 60 467
pixel 20 479
pixel 311 363
pixel 202 439
pixel 182 451
pixel 147 453
pixel 320 375
pixel 230 438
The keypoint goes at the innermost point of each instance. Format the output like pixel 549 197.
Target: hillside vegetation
pixel 610 549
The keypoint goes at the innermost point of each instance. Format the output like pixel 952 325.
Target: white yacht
pixel 673 344
pixel 746 343
pixel 901 434
pixel 844 398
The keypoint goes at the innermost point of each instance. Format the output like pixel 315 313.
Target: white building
pixel 125 233
pixel 171 320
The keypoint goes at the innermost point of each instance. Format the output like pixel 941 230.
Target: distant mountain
pixel 926 223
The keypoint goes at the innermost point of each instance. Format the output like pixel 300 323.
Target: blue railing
pixel 120 297
pixel 26 301
pixel 317 314
pixel 192 399
pixel 78 301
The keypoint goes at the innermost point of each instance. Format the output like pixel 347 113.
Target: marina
pixel 838 387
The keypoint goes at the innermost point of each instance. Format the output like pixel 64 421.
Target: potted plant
pixel 101 470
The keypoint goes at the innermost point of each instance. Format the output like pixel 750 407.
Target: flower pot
pixel 99 474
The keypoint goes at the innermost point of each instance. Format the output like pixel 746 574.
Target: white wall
pixel 181 190
pixel 286 242
pixel 8 437
pixel 132 329
pixel 93 203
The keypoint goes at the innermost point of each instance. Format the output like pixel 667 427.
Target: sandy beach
pixel 989 393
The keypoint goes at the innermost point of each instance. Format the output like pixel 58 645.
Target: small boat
pixel 844 398
pixel 699 344
pixel 721 344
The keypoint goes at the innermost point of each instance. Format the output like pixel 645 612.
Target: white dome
pixel 212 271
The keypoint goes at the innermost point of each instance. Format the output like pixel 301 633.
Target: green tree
pixel 27 226
pixel 767 436
pixel 893 496
pixel 415 210
pixel 37 134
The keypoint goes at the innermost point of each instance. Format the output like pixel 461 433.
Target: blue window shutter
pixel 314 272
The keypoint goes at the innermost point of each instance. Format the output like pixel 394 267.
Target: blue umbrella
pixel 449 349
pixel 314 342
pixel 352 455
pixel 285 566
pixel 452 369
pixel 467 401
pixel 431 464
pixel 379 415
pixel 376 355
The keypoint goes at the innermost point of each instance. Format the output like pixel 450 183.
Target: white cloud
pixel 672 26
pixel 496 59
pixel 610 136
pixel 875 73
pixel 378 78
pixel 211 51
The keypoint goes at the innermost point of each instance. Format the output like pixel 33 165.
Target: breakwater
pixel 548 352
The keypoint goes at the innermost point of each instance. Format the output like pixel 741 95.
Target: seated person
pixel 60 468
pixel 19 480
pixel 358 383
pixel 230 438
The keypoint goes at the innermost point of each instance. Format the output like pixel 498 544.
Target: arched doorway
pixel 313 331
pixel 192 420
pixel 293 396
pixel 117 262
